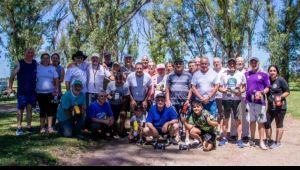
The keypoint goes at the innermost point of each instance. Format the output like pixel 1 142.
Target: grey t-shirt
pixel 179 86
pixel 117 92
pixel 139 86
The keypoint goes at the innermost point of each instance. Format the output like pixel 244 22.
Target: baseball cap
pixel 77 82
pixel 161 66
pixel 116 63
pixel 95 55
pixel 178 60
pixel 231 59
pixel 160 95
pixel 254 58
pixel 138 108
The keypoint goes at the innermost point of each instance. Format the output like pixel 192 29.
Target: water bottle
pixel 135 128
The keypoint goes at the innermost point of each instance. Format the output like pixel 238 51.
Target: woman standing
pixel 277 105
pixel 55 59
pixel 47 88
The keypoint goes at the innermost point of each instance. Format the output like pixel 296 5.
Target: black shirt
pixel 278 87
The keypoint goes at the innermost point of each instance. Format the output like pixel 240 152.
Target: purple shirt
pixel 256 81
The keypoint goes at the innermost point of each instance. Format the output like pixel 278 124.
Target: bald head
pixel 240 63
pixel 217 62
pixel 204 63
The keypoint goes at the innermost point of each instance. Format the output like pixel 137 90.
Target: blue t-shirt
pixel 98 111
pixel 158 119
pixel 68 100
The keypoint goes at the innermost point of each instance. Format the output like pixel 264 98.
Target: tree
pixel 22 22
pixel 98 25
pixel 282 35
pixel 228 21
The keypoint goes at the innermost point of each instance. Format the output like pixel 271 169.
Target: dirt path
pixel 122 153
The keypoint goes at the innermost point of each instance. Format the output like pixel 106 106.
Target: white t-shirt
pixel 219 95
pixel 139 86
pixel 205 82
pixel 45 79
pixel 233 81
pixel 75 73
pixel 96 75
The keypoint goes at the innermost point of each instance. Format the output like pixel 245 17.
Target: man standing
pixel 145 62
pixel 240 66
pixel 25 70
pixel 205 84
pixel 107 60
pixel 258 84
pixel 192 67
pixel 140 87
pixel 95 77
pixel 128 66
pixel 217 63
pixel 232 85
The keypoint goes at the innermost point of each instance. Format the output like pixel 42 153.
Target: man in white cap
pixel 95 76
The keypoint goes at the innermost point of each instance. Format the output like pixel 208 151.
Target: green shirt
pixel 68 101
pixel 200 121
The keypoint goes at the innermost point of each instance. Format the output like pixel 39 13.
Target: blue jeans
pixel 212 108
pixel 72 126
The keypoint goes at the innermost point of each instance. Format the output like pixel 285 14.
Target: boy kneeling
pixel 201 125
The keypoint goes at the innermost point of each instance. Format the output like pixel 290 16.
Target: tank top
pixel 27 78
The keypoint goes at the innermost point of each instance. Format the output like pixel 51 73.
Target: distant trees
pixel 175 28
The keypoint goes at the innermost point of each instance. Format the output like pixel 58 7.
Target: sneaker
pixel 43 130
pixel 240 144
pixel 252 143
pixel 270 142
pixel 223 141
pixel 275 145
pixel 233 138
pixel 140 142
pixel 19 132
pixel 263 146
pixel 116 136
pixel 246 139
pixel 51 130
pixel 195 144
pixel 174 141
pixel 30 130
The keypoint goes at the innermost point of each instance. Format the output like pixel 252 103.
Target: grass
pixel 34 149
pixel 293 104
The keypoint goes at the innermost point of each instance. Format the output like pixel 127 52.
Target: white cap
pixel 160 66
pixel 95 55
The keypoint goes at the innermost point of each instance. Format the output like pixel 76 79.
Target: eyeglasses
pixel 102 96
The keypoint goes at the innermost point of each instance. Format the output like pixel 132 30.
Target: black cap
pixel 254 58
pixel 231 59
pixel 79 54
pixel 178 60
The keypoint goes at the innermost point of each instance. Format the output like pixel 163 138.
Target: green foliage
pixel 22 22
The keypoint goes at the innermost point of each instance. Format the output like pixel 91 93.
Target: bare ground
pixel 121 153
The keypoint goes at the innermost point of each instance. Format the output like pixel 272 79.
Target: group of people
pixel 162 99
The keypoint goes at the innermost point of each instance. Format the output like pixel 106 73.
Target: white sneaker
pixel 263 146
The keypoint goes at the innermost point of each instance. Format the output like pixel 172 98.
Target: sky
pixel 143 50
